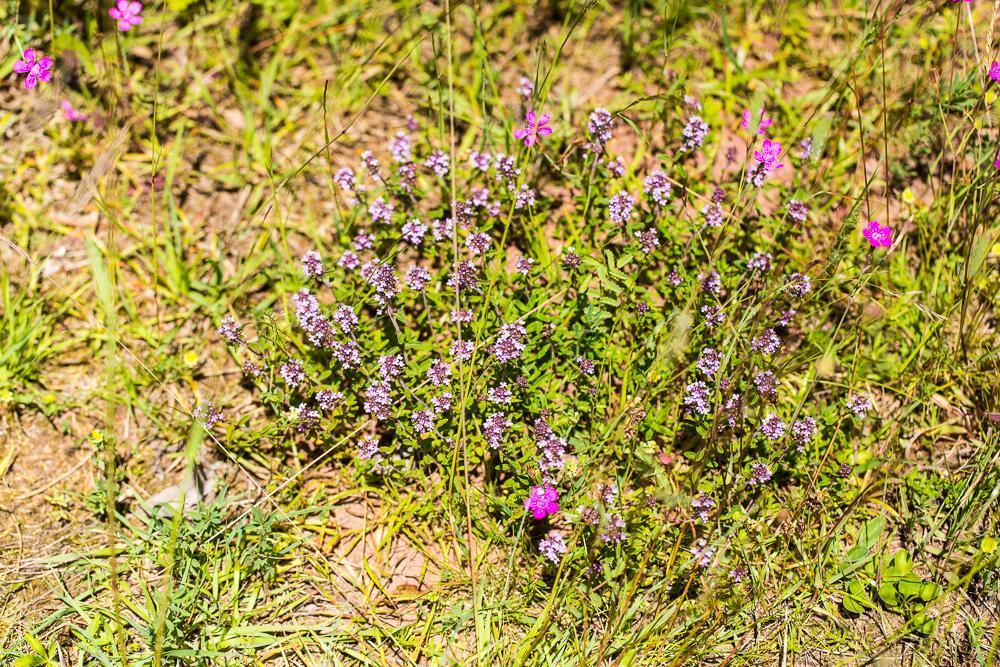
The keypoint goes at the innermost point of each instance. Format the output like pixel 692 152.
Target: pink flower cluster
pixel 542 501
pixel 126 14
pixel 878 235
pixel 37 69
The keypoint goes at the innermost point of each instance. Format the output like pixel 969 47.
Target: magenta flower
pixel 542 501
pixel 878 235
pixel 36 69
pixel 71 112
pixel 995 71
pixel 768 155
pixel 537 127
pixel 767 161
pixel 762 126
pixel 126 12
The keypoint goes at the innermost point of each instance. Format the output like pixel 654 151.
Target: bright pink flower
pixel 767 161
pixel 39 69
pixel 768 155
pixel 878 235
pixel 537 127
pixel 765 122
pixel 126 12
pixel 995 71
pixel 71 112
pixel 542 501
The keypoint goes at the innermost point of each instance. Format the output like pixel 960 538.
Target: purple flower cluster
pixel 761 261
pixel 703 554
pixel 391 366
pixel 509 343
pixel 803 432
pixel 417 277
pixel 551 448
pixel 694 133
pixel 697 398
pixel 620 207
pixel 760 473
pixel 381 211
pixel 208 415
pixel 439 373
pixel 312 265
pixel 702 504
pixel 423 421
pixel 766 343
pixel 439 163
pixel 313 322
pixel 381 276
pixel 367 447
pixel 797 211
pixel 495 427
pixel 714 215
pixel 328 399
pixel 766 384
pixel 799 285
pixel 713 316
pixel 860 404
pixel 230 330
pixel 601 124
pixel 500 394
pixel 708 362
pixel 552 546
pixel 461 350
pixel 291 372
pixel 772 428
pixel 649 239
pixel 379 401
pixel 614 531
pixel 657 187
pixel 464 276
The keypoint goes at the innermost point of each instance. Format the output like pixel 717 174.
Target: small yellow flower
pixel 991 97
pixel 989 544
pixel 95 437
pixel 190 358
pixel 908 197
pixel 571 466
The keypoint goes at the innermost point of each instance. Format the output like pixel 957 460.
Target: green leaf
pixel 909 587
pixel 929 591
pixel 852 606
pixel 887 593
pixel 980 248
pixel 36 645
pixel 29 661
